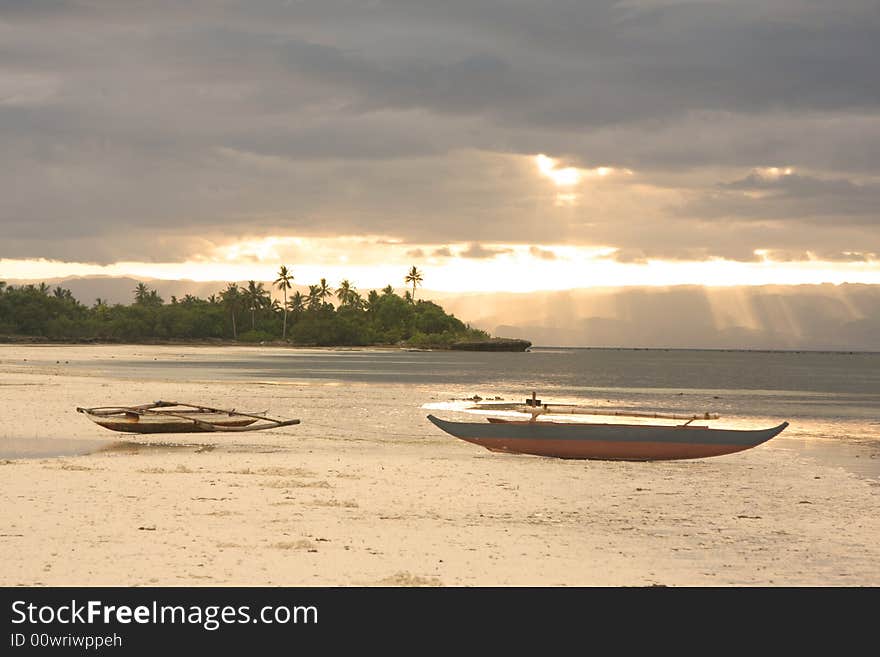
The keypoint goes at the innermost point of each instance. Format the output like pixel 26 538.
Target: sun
pixel 572 176
pixel 566 177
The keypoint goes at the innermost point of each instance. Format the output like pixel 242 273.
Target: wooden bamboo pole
pixel 207 425
pixel 580 410
pixel 165 404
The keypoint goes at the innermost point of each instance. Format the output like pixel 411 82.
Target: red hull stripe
pixel 606 450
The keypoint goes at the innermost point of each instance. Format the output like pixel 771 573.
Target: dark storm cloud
pixel 792 197
pixel 123 121
pixel 25 9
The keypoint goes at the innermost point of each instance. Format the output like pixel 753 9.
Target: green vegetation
pixel 244 314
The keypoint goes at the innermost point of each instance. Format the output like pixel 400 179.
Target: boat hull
pixel 619 442
pixel 177 417
pixel 160 424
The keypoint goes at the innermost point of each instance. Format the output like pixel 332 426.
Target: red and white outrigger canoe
pixel 625 442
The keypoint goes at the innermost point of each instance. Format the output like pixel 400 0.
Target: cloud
pixel 151 130
pixel 774 193
pixel 478 251
pixel 544 254
pixel 632 255
pixel 781 255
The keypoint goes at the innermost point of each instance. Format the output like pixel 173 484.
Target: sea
pixel 830 399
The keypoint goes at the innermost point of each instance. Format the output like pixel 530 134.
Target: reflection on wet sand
pixel 40 448
pixel 161 447
pixel 861 458
pixel 135 447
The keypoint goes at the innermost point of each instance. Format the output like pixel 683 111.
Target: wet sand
pixel 366 492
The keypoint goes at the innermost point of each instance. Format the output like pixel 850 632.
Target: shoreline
pixel 365 492
pixel 33 341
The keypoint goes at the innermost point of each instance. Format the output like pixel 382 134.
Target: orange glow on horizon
pixel 517 268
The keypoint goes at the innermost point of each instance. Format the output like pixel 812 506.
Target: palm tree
pixel 372 300
pixel 388 290
pixel 324 290
pixel 154 299
pixel 141 294
pixel 231 297
pixel 283 282
pixel 257 298
pixel 314 297
pixel 414 276
pixel 100 308
pixel 62 293
pixel 297 302
pixel 346 294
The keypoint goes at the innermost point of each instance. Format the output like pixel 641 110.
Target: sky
pixel 495 144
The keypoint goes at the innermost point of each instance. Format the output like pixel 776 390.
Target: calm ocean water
pixel 831 397
pixel 818 388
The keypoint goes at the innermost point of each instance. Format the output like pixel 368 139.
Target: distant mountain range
pixel 820 317
pixel 844 317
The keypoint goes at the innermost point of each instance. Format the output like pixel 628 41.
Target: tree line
pixel 321 317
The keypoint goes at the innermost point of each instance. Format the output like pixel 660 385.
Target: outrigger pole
pixel 535 408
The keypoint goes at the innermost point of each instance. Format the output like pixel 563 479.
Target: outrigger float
pixel 585 440
pixel 176 417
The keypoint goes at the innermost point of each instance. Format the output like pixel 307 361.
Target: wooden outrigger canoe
pixel 625 442
pixel 176 417
pixel 621 442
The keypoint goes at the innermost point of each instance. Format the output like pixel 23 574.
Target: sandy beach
pixel 366 492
